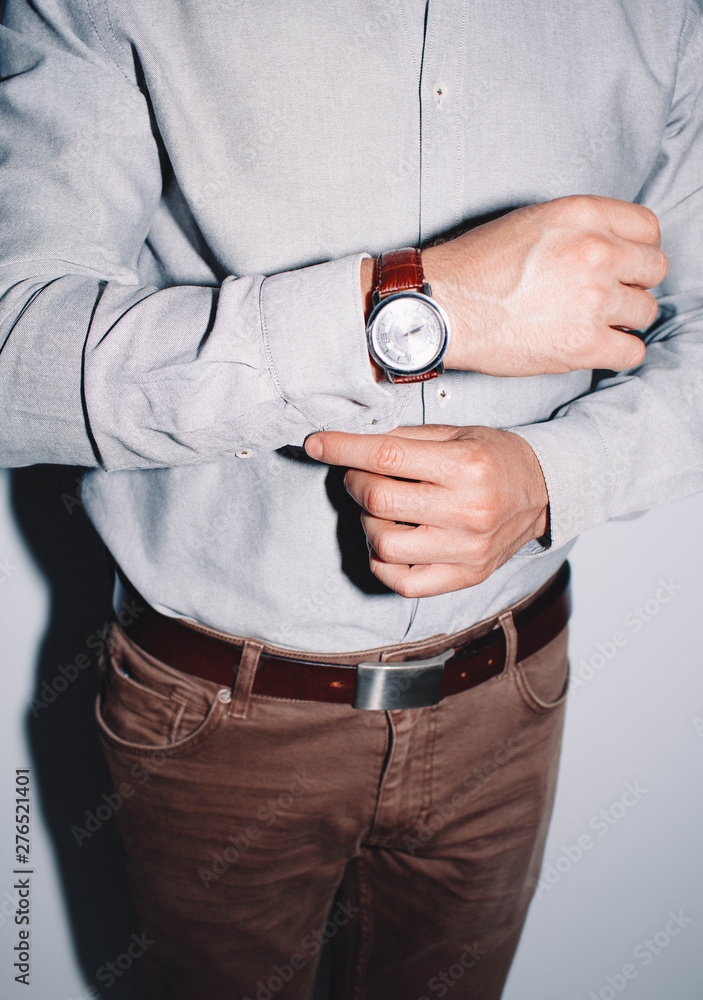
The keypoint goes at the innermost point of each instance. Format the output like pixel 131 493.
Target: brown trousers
pixel 412 840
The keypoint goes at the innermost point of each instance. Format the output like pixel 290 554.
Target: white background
pixel 636 720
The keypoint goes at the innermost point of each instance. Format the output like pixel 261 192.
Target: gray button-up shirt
pixel 187 191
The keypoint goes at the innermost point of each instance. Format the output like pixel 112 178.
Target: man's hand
pixel 443 506
pixel 545 288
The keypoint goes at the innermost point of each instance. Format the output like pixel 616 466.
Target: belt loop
pixel 245 679
pixel 510 632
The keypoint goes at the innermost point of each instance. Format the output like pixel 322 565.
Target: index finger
pixel 386 454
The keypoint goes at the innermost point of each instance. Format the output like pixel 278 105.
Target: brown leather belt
pixel 388 679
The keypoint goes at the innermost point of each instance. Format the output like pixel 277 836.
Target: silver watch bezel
pixel 380 304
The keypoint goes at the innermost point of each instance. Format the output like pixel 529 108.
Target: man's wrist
pixel 368 266
pixel 537 489
pixel 438 275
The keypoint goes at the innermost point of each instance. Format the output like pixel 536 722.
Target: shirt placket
pixel 442 152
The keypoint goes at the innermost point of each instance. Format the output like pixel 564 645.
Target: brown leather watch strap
pixel 416 378
pixel 399 271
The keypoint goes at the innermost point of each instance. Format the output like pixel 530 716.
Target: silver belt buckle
pixel 412 684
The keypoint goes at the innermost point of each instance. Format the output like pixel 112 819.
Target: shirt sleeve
pixel 636 440
pixel 99 369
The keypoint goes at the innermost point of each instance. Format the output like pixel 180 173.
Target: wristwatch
pixel 407 331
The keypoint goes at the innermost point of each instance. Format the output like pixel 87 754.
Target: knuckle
pixel 592 253
pixel 651 223
pixel 395 578
pixel 636 354
pixel 481 468
pixel 387 455
pixel 483 521
pixel 407 587
pixel 377 500
pixel 385 547
pixel 664 261
pixel 580 209
pixel 653 310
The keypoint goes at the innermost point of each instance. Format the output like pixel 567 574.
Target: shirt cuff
pixel 576 468
pixel 315 340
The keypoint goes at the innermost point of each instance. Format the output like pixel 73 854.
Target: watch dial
pixel 408 333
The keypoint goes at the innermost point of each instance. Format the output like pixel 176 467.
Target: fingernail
pixel 313 446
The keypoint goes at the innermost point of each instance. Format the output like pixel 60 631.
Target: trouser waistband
pixel 408 675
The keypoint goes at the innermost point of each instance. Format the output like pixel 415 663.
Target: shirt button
pixel 225 695
pixel 439 92
pixel 243 453
pixel 444 394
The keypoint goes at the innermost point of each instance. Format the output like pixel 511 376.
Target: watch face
pixel 407 333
